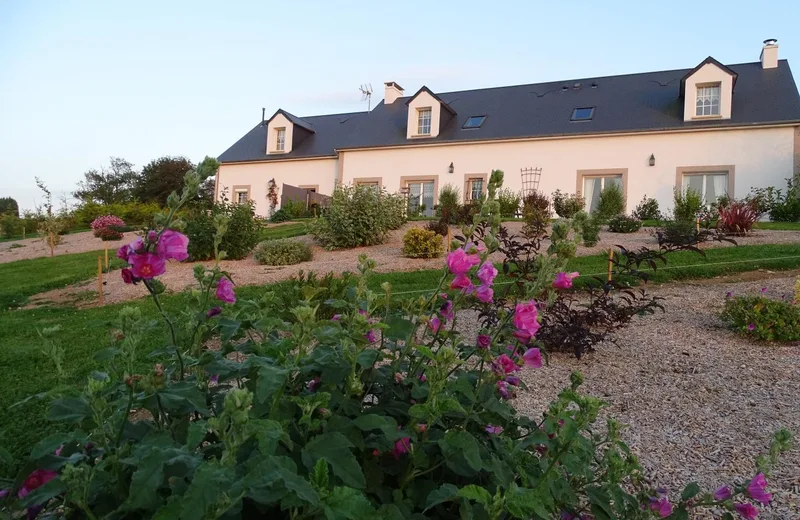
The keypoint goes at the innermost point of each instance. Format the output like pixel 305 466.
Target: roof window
pixel 582 114
pixel 474 122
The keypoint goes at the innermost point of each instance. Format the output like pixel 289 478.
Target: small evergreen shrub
pixel 243 233
pixel 281 215
pixel 422 243
pixel 11 225
pixel 566 205
pixel 509 202
pixel 536 210
pixel 589 228
pixel 624 224
pixel 763 318
pixel 611 202
pixel 688 203
pixel 647 209
pixel 394 210
pixel 296 209
pixel 282 252
pixel 449 202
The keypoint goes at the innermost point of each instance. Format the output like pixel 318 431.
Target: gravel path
pixel 75 243
pixel 388 257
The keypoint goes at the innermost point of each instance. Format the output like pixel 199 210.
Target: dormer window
pixel 424 121
pixel 708 97
pixel 280 139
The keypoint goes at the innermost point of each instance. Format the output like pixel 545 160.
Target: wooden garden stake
pixel 448 239
pixel 100 279
pixel 697 224
pixel 106 248
pixel 610 261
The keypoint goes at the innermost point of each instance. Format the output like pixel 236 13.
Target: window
pixel 421 194
pixel 582 114
pixel 710 186
pixel 474 122
pixel 280 139
pixel 424 121
pixel 475 188
pixel 707 101
pixel 593 185
pixel 241 197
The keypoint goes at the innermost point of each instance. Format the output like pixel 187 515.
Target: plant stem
pixel 171 327
pixel 125 417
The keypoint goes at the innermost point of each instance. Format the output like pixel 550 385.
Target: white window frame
pixel 280 139
pixel 708 101
pixel 472 183
pixel 424 117
pixel 241 192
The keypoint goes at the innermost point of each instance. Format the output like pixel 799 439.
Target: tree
pixel 109 185
pixel 51 226
pixel 9 205
pixel 160 178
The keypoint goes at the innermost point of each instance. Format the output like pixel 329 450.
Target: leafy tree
pixel 109 185
pixel 161 177
pixel 9 205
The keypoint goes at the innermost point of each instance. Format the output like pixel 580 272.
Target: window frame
pixel 241 188
pixel 482 118
pixel 280 139
pixel 716 169
pixel 314 188
pixel 368 181
pixel 468 179
pixel 606 172
pixel 420 112
pixel 697 97
pixel 412 179
pixel 574 119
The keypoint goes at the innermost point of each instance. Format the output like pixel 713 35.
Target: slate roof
pixel 628 103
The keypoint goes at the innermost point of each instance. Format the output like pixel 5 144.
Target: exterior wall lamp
pixel 652 160
pixel 451 168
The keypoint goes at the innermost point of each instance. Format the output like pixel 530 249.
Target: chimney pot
pixel 769 54
pixel 263 114
pixel 392 92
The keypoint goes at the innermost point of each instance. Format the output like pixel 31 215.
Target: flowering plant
pixel 762 317
pixel 385 410
pixel 106 221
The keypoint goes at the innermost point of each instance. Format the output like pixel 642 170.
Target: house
pixel 720 129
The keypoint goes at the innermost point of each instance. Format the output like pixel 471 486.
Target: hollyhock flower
pixel 225 291
pixel 423 378
pixel 313 384
pixel 468 290
pixel 173 246
pixel 447 311
pixel 363 312
pixel 484 341
pixel 728 294
pixel 506 392
pixel 505 364
pixel 532 358
pixel 3 493
pixel 487 273
pixel 434 324
pixel 495 430
pixel 661 506
pixel 124 252
pixel 723 493
pixel 512 380
pixel 459 262
pixel 371 335
pixel 399 378
pixel 35 480
pixel 147 265
pixel 525 317
pixel 214 311
pixel 376 453
pixel 747 511
pixel 422 427
pixel 757 489
pixel 751 327
pixel 522 336
pixel 763 290
pixel 336 317
pixel 401 447
pixel 127 276
pixel 152 236
pixel 564 280
pixel 461 281
pixel 485 293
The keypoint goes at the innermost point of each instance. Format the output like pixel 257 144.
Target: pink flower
pixel 225 291
pixel 751 327
pixel 513 380
pixel 147 265
pixel 459 262
pixel 485 293
pixel 484 341
pixel 494 430
pixel 124 252
pixel 152 236
pixel 487 273
pixel 376 453
pixel 434 324
pixel 371 335
pixel 763 290
pixel 213 311
pixel 525 318
pixel 523 336
pixel 661 506
pixel 723 493
pixel 447 311
pixel 423 378
pixel 35 480
pixel 336 317
pixel 506 391
pixel 461 281
pixel 564 280
pixel 401 447
pixel 757 489
pixel 532 358
pixel 127 276
pixel 747 511
pixel 313 384
pixel 173 246
pixel 505 364
pixel 422 427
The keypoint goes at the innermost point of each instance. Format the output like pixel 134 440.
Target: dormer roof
pixel 297 121
pixel 712 61
pixel 434 96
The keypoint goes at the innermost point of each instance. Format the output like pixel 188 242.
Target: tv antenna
pixel 366 94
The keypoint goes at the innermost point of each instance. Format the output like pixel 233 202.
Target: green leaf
pixel 335 449
pixel 375 422
pixel 450 404
pixel 476 493
pixel 425 351
pixel 524 503
pixel 601 503
pixel 418 411
pixel 197 432
pixel 399 328
pixel 690 491
pixel 5 456
pixel 44 493
pixel 268 433
pixel 69 409
pixel 228 328
pixel 347 504
pixel 461 451
pixel 210 481
pixel 445 493
pixel 106 354
pixel 270 380
pixel 682 514
pixel 319 476
pixel 145 482
pixel 183 398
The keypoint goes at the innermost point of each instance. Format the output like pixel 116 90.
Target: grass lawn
pixel 777 226
pixel 27 371
pixel 36 235
pixel 285 231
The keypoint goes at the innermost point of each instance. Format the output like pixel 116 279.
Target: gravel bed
pixel 73 243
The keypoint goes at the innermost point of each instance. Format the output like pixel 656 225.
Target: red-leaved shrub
pixel 738 217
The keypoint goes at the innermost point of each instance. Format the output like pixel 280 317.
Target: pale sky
pixel 84 80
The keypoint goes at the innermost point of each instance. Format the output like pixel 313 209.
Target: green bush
pixel 589 228
pixel 440 227
pixel 134 213
pixel 535 211
pixel 566 205
pixel 284 251
pixel 509 202
pixel 307 288
pixel 782 207
pixel 449 203
pixel 647 209
pixel 610 202
pixel 10 225
pixel 296 209
pixel 357 216
pixel 624 224
pixel 763 318
pixel 678 231
pixel 281 215
pixel 688 203
pixel 243 233
pixel 422 243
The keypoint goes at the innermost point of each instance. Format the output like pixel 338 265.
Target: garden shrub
pixel 377 412
pixel 611 202
pixel 243 234
pixel 647 209
pixel 107 234
pixel 11 225
pixel 296 209
pixel 678 231
pixel 589 228
pixel 535 210
pixel 422 243
pixel 763 318
pixel 566 205
pixel 282 252
pixel 449 203
pixel 782 207
pixel 624 224
pixel 509 202
pixel 321 292
pixel 280 215
pixel 440 227
pixel 137 213
pixel 357 216
pixel 737 217
pixel 108 227
pixel 687 204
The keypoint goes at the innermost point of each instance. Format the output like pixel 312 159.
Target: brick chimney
pixel 392 92
pixel 769 54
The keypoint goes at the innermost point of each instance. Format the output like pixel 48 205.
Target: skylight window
pixel 582 114
pixel 474 122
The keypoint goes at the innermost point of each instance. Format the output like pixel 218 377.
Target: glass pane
pixel 716 186
pixel 427 198
pixel 616 179
pixel 694 182
pixel 592 186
